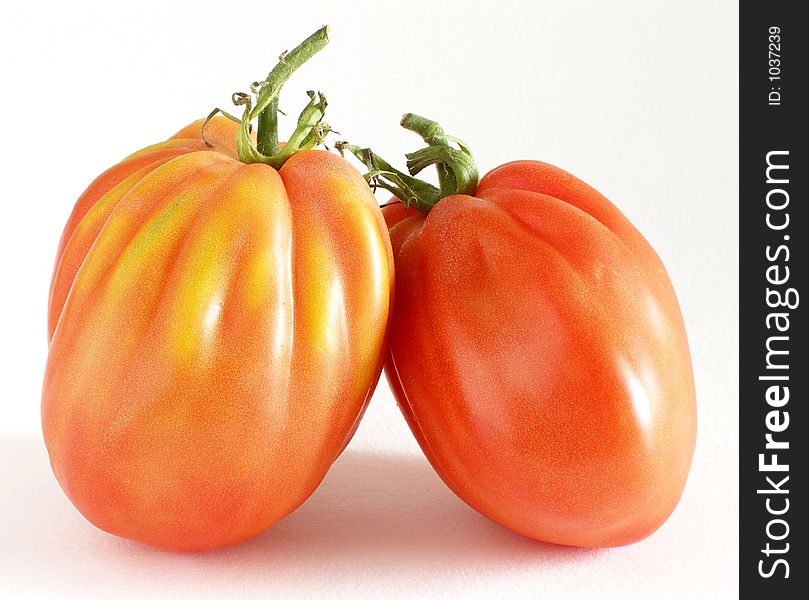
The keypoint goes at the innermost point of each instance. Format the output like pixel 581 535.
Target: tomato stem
pixel 457 172
pixel 267 101
pixel 310 130
pixel 411 191
pixel 267 136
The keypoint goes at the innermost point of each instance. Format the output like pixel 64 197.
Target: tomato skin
pixel 538 353
pixel 216 330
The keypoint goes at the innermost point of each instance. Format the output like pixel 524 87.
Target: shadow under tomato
pixel 373 513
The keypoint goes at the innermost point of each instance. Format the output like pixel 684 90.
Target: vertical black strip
pixel 773 271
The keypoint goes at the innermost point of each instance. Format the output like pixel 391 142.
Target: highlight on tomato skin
pixel 537 349
pixel 217 323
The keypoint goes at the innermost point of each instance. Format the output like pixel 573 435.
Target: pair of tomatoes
pixel 217 326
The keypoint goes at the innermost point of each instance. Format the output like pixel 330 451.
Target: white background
pixel 637 98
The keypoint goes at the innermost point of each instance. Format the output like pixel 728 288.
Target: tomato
pixel 216 330
pixel 537 350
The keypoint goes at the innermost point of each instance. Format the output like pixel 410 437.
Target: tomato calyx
pixel 261 105
pixel 457 171
pixel 408 190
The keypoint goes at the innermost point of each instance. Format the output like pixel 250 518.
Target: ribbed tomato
pixel 216 330
pixel 537 349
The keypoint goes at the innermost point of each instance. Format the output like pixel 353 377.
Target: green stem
pixel 267 136
pixel 457 172
pixel 266 108
pixel 411 191
pixel 307 135
pixel 429 130
pixel 310 130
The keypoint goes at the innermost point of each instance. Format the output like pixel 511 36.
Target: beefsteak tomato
pixel 216 329
pixel 537 349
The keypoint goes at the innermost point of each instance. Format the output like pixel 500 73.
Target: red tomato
pixel 538 354
pixel 216 329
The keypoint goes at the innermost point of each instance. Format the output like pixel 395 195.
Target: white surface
pixel 637 98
